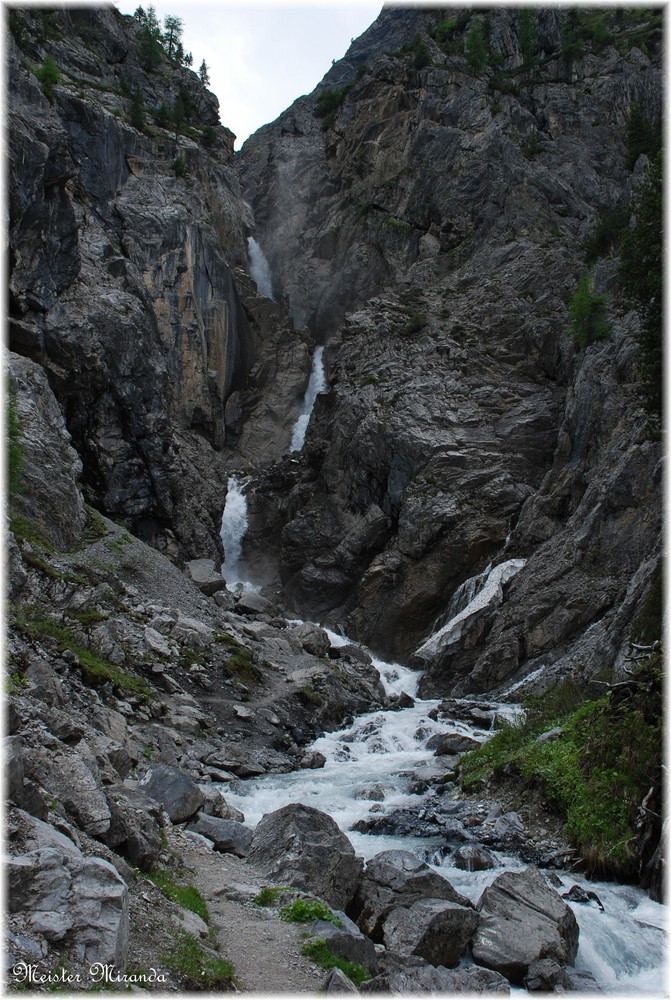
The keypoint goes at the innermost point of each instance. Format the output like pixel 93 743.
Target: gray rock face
pixel 434 929
pixel 426 979
pixel 396 879
pixel 227 835
pixel 66 775
pixel 50 470
pixel 523 920
pixel 337 982
pixel 301 846
pixel 178 794
pixel 457 407
pixel 204 575
pixel 312 638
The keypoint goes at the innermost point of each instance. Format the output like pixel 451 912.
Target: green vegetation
pixel 186 895
pixel 302 911
pixel 528 39
pixel 643 137
pixel 14 455
pixel 328 102
pixel 309 696
pixel 419 51
pixel 267 894
pixel 415 323
pixel 476 46
pixel 48 75
pixel 647 627
pixel 202 970
pixel 137 114
pixel 319 952
pixel 606 234
pixel 180 166
pixel 587 312
pixel 34 622
pixel 595 772
pixel 241 659
pixel 640 277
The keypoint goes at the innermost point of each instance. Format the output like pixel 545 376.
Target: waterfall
pixel 316 385
pixel 259 268
pixel 233 528
pixel 486 595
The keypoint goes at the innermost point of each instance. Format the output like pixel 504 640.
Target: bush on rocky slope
pixel 595 760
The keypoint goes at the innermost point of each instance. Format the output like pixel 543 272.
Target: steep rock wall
pixel 128 257
pixel 433 233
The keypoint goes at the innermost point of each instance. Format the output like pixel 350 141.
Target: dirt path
pixel 265 951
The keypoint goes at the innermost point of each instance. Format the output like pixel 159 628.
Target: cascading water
pixel 233 528
pixel 385 752
pixel 259 268
pixel 316 385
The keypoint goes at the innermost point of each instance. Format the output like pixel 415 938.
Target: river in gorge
pixel 377 762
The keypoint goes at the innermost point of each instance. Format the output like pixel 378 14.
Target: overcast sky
pixel 263 55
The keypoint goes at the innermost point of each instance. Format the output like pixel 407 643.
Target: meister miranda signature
pixel 25 972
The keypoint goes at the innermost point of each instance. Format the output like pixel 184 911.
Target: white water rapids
pixel 383 752
pixel 316 385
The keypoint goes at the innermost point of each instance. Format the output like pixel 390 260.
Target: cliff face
pixel 427 217
pixel 124 247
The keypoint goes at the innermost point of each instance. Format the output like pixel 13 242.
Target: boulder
pixel 64 894
pixel 337 982
pixel 522 920
pixel 434 929
pixel 450 743
pixel 312 638
pixel 205 576
pixel 392 879
pixel 64 774
pixel 134 832
pixel 347 941
pixel 192 633
pixel 312 760
pixel 216 805
pixel 227 835
pixel 224 599
pixel 179 795
pixel 427 979
pixel 251 603
pixel 473 858
pixel 301 846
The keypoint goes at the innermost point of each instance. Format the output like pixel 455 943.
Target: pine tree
pixel 204 75
pixel 587 311
pixel 149 38
pixel 172 34
pixel 528 39
pixel 475 47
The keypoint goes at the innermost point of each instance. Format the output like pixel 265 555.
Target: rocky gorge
pixel 474 492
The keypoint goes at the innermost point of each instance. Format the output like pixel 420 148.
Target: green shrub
pixel 595 773
pixel 587 313
pixel 309 696
pixel 137 116
pixel 328 102
pixel 14 455
pixel 319 952
pixel 643 138
pixel 606 234
pixel 203 971
pixel 416 323
pixel 48 75
pixel 476 47
pixel 302 911
pixel 267 894
pixel 528 40
pixel 504 84
pixel 209 134
pixel 186 895
pixel 180 166
pixel 640 277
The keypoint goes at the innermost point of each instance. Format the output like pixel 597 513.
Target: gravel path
pixel 265 951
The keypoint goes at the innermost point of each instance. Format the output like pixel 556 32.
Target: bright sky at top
pixel 261 56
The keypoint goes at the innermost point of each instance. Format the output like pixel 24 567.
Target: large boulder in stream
pixel 179 795
pixel 434 929
pixel 396 879
pixel 522 920
pixel 301 846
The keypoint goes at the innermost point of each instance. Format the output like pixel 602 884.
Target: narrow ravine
pixel 378 764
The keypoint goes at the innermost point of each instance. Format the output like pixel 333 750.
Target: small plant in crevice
pixel 48 75
pixel 180 166
pixel 320 953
